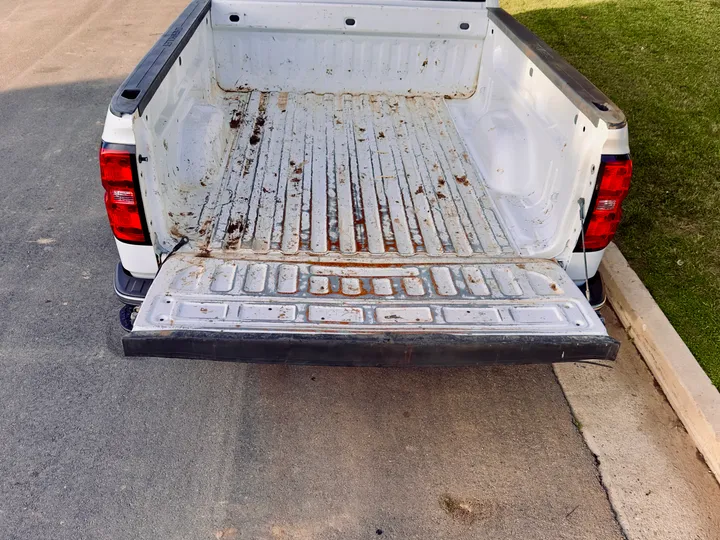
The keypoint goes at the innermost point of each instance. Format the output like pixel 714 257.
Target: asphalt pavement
pixel 94 445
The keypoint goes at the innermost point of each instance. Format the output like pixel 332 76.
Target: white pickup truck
pixel 375 182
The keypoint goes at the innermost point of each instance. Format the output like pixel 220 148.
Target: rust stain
pixel 282 101
pixel 175 231
pixel 263 103
pixel 441 196
pixel 259 123
pixel 236 119
pixel 234 226
pixel 419 190
pixel 233 232
pixel 248 166
pixel 204 226
pixel 462 180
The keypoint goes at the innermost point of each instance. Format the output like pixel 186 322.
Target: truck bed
pixel 369 184
pixel 351 174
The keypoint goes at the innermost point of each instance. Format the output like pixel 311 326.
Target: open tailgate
pixel 367 314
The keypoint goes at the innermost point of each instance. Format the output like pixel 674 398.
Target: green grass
pixel 659 60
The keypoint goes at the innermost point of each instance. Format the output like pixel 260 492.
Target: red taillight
pixel 606 213
pixel 120 197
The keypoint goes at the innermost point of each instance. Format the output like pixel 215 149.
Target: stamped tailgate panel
pixel 271 311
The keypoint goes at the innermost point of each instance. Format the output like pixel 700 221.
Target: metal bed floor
pixel 353 174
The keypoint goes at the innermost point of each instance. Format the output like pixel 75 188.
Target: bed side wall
pixel 537 149
pixel 185 133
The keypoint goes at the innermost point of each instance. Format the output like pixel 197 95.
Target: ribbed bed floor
pixel 351 174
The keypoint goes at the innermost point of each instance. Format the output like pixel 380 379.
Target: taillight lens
pixel 121 201
pixel 605 215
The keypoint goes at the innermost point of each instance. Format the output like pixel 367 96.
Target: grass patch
pixel 660 62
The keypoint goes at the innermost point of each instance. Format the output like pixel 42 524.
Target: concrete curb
pixel 688 389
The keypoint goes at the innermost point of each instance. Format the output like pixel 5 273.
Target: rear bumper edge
pixel 389 350
pixel 129 289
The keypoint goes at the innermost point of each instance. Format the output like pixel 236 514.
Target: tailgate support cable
pixel 581 202
pixel 184 240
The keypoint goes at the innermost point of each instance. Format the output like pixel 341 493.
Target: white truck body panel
pixel 140 261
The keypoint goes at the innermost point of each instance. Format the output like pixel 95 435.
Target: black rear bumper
pixel 129 289
pixel 390 350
